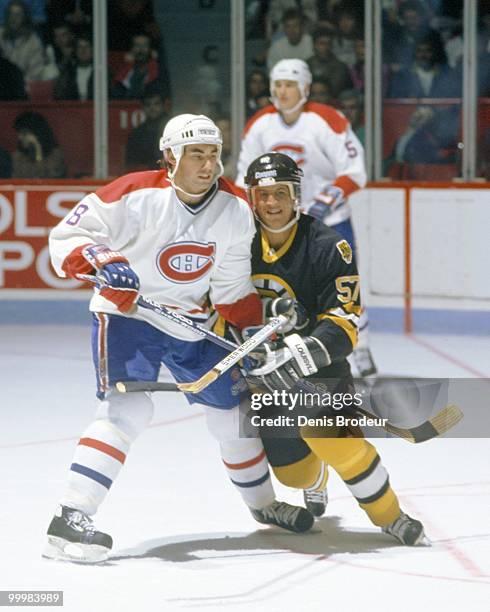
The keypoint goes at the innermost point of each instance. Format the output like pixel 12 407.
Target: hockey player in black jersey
pixel 296 256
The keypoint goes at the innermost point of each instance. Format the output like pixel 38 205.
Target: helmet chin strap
pixel 284 227
pixel 289 111
pixel 171 174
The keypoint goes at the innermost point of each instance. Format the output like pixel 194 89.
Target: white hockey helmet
pixel 189 129
pixel 291 70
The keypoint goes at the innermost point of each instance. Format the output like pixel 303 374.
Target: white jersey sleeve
pixel 90 222
pixel 231 287
pixel 346 153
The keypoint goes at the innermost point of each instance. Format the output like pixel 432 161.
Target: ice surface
pixel 183 538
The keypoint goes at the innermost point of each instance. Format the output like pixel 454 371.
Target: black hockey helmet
pixel 271 168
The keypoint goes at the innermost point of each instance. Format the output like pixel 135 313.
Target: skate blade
pixel 60 550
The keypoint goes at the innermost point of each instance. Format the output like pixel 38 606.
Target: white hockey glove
pixel 296 313
pixel 295 358
pixel 326 202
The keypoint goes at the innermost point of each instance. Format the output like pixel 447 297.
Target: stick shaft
pixel 173 316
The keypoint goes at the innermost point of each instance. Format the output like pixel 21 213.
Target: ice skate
pixel 316 501
pixel 72 537
pixel 292 518
pixel 407 530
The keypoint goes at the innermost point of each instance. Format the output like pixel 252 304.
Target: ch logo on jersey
pixel 186 262
pixel 296 152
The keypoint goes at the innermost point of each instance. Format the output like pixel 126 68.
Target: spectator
pixel 11 81
pixel 207 86
pixel 76 81
pixel 320 92
pixel 277 8
pixel 224 124
pixel 76 13
pixel 327 10
pixel 428 77
pixel 401 43
pixel 324 65
pixel 257 85
pixel 296 43
pixel 19 43
pixel 351 104
pixel 262 100
pixel 127 19
pixel 37 154
pixel 5 164
pixel 37 9
pixel 133 79
pixel 142 148
pixel 357 69
pixel 61 51
pixel 430 138
pixel 348 30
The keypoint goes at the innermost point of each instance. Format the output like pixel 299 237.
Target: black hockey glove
pixel 294 358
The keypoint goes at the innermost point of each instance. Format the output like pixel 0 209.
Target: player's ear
pixel 169 158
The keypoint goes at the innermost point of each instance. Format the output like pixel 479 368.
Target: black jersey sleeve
pixel 338 294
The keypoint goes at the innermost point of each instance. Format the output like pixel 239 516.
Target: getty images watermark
pixel 319 401
pixel 324 405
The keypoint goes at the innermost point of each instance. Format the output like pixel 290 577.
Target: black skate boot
pixel 293 518
pixel 407 530
pixel 364 362
pixel 316 501
pixel 73 537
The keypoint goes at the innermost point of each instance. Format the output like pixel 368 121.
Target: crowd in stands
pixel 46 45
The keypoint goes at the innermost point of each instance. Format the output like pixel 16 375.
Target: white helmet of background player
pixel 187 129
pixel 291 70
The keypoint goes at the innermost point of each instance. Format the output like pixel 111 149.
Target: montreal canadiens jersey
pixel 317 268
pixel 184 256
pixel 321 142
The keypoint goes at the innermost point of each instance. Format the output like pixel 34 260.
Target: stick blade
pixel 444 420
pixel 201 383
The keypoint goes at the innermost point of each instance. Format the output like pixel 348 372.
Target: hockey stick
pixel 442 422
pixel 227 362
pixel 170 315
pixel 239 353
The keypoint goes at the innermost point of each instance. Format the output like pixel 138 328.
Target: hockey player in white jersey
pixel 183 238
pixel 320 140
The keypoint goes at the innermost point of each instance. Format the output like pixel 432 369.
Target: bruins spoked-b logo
pixel 345 251
pixel 186 262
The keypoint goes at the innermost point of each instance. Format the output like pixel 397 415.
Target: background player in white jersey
pixel 320 140
pixel 181 237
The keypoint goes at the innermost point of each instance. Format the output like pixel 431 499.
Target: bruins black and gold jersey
pixel 317 268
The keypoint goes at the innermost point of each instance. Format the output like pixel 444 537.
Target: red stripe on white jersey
pixel 244 312
pixel 102 370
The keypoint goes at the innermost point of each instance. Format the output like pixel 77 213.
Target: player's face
pixel 287 93
pixel 197 168
pixel 273 205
